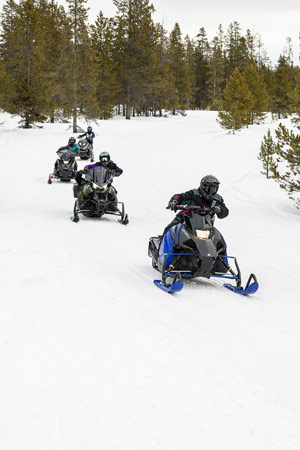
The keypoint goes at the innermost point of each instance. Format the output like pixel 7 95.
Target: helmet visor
pixel 211 189
pixel 104 159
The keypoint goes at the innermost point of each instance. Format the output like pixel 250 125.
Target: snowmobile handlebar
pixel 193 208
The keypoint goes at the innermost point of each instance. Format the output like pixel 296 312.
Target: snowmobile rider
pixel 89 135
pixel 205 196
pixel 104 161
pixel 73 147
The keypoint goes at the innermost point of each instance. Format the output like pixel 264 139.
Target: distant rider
pixel 205 196
pixel 89 135
pixel 104 161
pixel 73 147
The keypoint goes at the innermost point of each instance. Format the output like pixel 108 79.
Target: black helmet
pixel 209 186
pixel 72 141
pixel 104 158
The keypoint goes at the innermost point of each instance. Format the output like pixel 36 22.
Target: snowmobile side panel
pixel 167 244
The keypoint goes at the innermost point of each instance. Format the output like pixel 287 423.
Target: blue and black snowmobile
pixel 194 249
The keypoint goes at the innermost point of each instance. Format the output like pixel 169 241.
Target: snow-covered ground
pixel 93 355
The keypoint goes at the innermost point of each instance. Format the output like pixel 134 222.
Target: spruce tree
pixel 135 45
pixel 267 155
pixel 79 66
pixel 237 103
pixel 258 90
pixel 294 98
pixel 57 36
pixel 108 86
pixel 191 68
pixel 236 49
pixel 216 82
pixel 164 91
pixel 23 55
pixel 179 70
pixel 282 84
pixel 287 173
pixel 202 70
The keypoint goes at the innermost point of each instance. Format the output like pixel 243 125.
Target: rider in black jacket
pixel 205 196
pixel 89 135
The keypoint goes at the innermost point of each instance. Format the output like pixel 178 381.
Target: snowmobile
pixel 194 249
pixel 96 197
pixel 66 166
pixel 85 149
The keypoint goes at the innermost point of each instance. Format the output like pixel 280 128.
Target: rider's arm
pixel 182 198
pixel 224 210
pixel 117 170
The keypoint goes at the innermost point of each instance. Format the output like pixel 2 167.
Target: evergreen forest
pixel 54 65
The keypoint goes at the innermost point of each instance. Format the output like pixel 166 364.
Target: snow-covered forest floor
pixel 93 355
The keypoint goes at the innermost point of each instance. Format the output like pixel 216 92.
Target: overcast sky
pixel 274 20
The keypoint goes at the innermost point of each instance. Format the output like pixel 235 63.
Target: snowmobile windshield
pixel 200 222
pixel 65 154
pixel 83 143
pixel 99 175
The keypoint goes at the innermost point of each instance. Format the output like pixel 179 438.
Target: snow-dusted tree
pixel 267 155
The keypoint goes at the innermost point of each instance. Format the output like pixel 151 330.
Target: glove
pixel 172 205
pixel 217 209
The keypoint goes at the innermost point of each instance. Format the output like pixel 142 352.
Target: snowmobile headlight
pixel 202 234
pixel 66 161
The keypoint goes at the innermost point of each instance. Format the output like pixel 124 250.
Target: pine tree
pixel 236 104
pixel 179 69
pixel 202 70
pixel 23 56
pixel 267 155
pixel 136 41
pixel 287 173
pixel 57 36
pixel 258 90
pixel 236 49
pixel 282 84
pixel 191 68
pixel 108 86
pixel 294 98
pixel 216 82
pixel 79 66
pixel 164 93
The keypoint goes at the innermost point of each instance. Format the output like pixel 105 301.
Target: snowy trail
pixel 93 354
